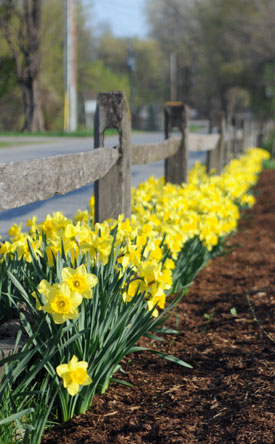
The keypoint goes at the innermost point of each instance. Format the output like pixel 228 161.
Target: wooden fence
pixel 110 168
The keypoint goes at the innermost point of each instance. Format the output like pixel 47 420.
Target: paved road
pixel 71 202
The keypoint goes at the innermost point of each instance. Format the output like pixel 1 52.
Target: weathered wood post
pixel 254 133
pixel 260 135
pixel 229 140
pixel 238 136
pixel 251 136
pixel 215 158
pixel 221 146
pixel 211 156
pixel 245 139
pixel 234 137
pixel 113 191
pixel 176 115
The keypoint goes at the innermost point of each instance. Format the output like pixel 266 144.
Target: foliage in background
pixel 96 77
pixel 225 60
pixel 223 50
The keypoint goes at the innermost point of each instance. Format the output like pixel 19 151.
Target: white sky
pixel 126 17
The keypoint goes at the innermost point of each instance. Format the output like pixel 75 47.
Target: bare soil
pixel 226 331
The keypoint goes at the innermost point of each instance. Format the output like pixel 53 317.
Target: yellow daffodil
pixel 79 281
pixel 21 247
pixel 62 303
pixel 74 375
pixel 81 216
pixel 15 230
pixel 44 289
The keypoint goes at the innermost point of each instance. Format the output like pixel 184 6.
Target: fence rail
pixel 29 181
pixel 110 168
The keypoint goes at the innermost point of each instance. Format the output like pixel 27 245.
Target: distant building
pixel 89 109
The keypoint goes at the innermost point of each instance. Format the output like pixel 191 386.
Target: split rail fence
pixel 110 168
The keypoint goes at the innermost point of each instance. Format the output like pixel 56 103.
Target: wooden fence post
pixel 229 145
pixel 113 191
pixel 260 136
pixel 221 146
pixel 215 157
pixel 211 156
pixel 176 115
pixel 245 139
pixel 254 133
pixel 251 139
pixel 234 146
pixel 238 135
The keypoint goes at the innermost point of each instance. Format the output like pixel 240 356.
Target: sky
pixel 126 17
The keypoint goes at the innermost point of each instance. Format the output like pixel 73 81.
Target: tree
pixel 255 40
pixel 20 25
pixel 220 64
pixel 141 61
pixel 226 47
pixel 10 95
pixel 96 77
pixel 171 24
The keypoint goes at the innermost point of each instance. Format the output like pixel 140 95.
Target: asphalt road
pixel 78 199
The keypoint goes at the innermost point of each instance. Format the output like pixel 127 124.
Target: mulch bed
pixel 226 325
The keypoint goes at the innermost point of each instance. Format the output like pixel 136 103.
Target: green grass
pixel 269 164
pixel 5 144
pixel 194 128
pixel 59 133
pixel 79 133
pixel 15 144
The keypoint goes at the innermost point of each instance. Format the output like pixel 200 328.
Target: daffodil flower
pixel 80 281
pixel 74 375
pixel 62 303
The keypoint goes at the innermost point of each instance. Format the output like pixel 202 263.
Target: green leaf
pixel 162 355
pixel 168 331
pixel 16 416
pixel 156 338
pixel 172 358
pixel 121 381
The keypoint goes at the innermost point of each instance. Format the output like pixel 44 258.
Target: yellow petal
pixel 73 388
pixel 61 369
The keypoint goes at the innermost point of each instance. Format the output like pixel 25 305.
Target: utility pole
pixel 131 68
pixel 173 76
pixel 70 67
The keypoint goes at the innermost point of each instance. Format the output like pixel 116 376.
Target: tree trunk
pixel 34 120
pixel 23 37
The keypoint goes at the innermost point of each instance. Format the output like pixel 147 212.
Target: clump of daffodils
pixel 164 218
pixel 61 300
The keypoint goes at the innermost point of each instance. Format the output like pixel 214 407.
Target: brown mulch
pixel 228 397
